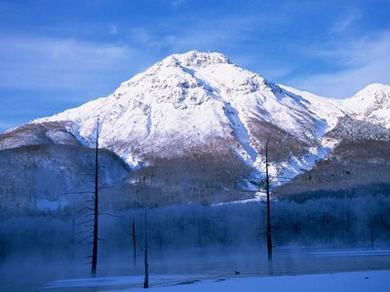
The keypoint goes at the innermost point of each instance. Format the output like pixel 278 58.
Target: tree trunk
pixel 372 236
pixel 146 264
pixel 134 244
pixel 96 208
pixel 73 229
pixel 269 232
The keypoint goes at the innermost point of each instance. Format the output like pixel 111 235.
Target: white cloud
pixel 208 34
pixel 65 64
pixel 365 61
pixel 345 21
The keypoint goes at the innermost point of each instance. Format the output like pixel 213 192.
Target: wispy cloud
pixel 363 62
pixel 61 52
pixel 41 76
pixel 345 21
pixel 178 3
pixel 113 29
pixel 50 63
pixel 217 33
pixel 145 37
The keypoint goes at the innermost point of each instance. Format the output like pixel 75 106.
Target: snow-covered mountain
pixel 207 111
pixel 372 104
pixel 190 99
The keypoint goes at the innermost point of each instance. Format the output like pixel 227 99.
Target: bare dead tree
pixel 268 180
pixel 94 215
pixel 73 228
pixel 146 264
pixel 269 231
pixel 371 229
pixel 96 207
pixel 133 231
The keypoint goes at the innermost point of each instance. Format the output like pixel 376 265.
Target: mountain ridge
pixel 203 105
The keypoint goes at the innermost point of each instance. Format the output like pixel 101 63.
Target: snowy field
pixel 294 268
pixel 361 281
pixel 316 270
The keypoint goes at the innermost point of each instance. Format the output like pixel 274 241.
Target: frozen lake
pixel 51 274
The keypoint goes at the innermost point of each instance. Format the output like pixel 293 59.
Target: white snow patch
pixel 361 281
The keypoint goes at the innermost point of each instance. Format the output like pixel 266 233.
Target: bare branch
pixel 78 193
pixel 112 215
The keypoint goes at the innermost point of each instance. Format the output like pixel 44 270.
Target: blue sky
pixel 59 54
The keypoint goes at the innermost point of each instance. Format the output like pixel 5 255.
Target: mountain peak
pixel 373 102
pixel 373 90
pixel 196 58
pixel 371 94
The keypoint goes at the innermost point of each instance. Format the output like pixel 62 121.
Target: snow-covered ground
pixel 342 269
pixel 196 270
pixel 361 281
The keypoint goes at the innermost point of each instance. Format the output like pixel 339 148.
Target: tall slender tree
pixel 96 207
pixel 269 231
pixel 371 228
pixel 133 231
pixel 146 264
